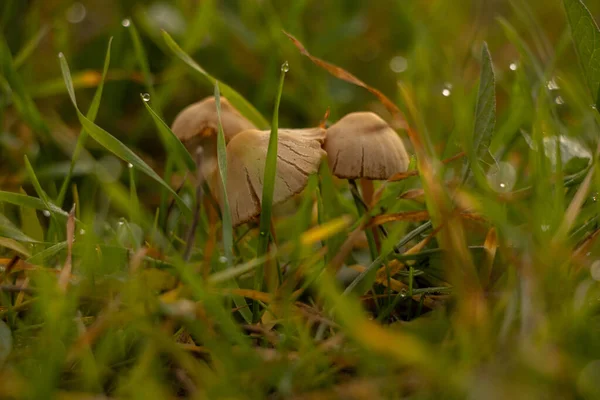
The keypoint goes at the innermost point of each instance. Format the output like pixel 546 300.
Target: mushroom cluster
pixel 360 145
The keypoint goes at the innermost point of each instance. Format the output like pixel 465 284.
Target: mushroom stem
pixel 366 185
pixel 358 201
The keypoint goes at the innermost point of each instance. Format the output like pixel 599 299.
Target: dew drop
pixel 60 55
pixel 403 292
pixel 46 213
pixel 502 184
pixel 285 67
pixel 82 231
pixel 126 22
pixel 446 92
pixel 513 66
pixel 263 234
pixel 223 260
pixel 545 228
pixel 595 197
pixel 121 222
pixel 552 85
pixel 559 100
pixel 593 106
pixel 146 97
pixel 130 165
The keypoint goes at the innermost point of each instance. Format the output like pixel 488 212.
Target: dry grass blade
pixel 340 73
pixel 65 273
pixel 490 246
pixel 409 216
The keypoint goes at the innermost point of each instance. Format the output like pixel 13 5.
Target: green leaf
pixel 485 114
pixel 9 230
pixel 586 37
pixel 91 114
pixel 14 245
pixel 267 194
pixel 172 144
pixel 23 200
pixel 236 99
pixel 142 59
pixel 22 100
pixel 113 145
pixel 42 256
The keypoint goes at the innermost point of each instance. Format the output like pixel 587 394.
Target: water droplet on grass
pixel 446 92
pixel 46 213
pixel 559 100
pixel 223 260
pixel 82 231
pixel 403 292
pixel 129 165
pixel 513 66
pixel 60 55
pixel 552 85
pixel 126 22
pixel 285 67
pixel 146 97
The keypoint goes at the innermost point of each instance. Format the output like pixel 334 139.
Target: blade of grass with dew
pixel 91 115
pixel 172 144
pixel 42 256
pixel 237 100
pixel 142 59
pixel 485 116
pixel 586 38
pixel 56 225
pixel 113 145
pixel 23 200
pixel 268 188
pixel 227 225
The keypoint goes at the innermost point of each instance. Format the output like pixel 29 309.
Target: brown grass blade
pixel 65 273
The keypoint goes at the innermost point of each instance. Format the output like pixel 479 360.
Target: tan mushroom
pixel 197 125
pixel 299 154
pixel 362 145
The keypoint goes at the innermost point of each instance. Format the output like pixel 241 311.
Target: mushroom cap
pixel 299 154
pixel 362 145
pixel 197 126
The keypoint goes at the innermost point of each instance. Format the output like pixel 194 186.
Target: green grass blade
pixel 142 59
pixel 27 50
pixel 586 37
pixel 237 100
pixel 21 98
pixel 23 200
pixel 42 256
pixel 9 230
pixel 485 114
pixel 91 114
pixel 172 144
pixel 222 161
pixel 268 188
pixel 113 145
pixel 227 226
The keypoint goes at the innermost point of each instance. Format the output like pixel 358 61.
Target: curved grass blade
pixel 15 246
pixel 236 99
pixel 113 145
pixel 142 58
pixel 23 200
pixel 485 114
pixel 586 37
pixel 91 114
pixel 172 144
pixel 9 230
pixel 27 50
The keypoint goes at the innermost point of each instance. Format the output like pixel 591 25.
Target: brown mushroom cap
pixel 362 145
pixel 197 126
pixel 299 154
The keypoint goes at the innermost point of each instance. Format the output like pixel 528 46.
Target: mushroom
pixel 197 126
pixel 362 145
pixel 299 154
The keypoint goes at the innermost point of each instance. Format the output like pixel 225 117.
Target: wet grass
pixel 474 274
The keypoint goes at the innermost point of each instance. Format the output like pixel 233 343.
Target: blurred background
pixel 433 46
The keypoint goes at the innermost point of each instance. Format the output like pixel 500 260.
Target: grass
pixel 484 282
